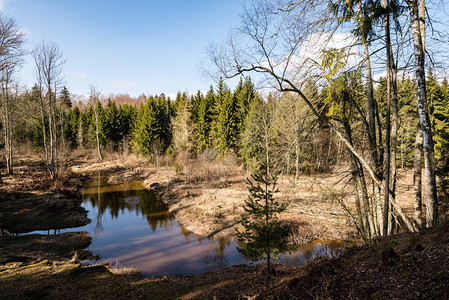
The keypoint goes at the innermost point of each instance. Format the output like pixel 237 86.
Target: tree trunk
pixel 44 130
pixel 417 185
pixel 52 136
pixel 97 132
pixel 394 134
pixel 361 199
pixel 7 122
pixel 417 162
pixel 386 212
pixel 372 140
pixel 429 155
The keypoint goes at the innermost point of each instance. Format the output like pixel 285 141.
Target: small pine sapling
pixel 263 236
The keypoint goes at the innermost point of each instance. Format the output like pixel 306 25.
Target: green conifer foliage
pixel 245 94
pixel 153 126
pixel 195 104
pixel 253 137
pixel 127 115
pixel 439 116
pixel 407 117
pixel 65 98
pixel 203 122
pixel 71 126
pixel 226 124
pixel 263 236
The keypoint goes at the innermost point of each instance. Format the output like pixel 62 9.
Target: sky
pixel 126 47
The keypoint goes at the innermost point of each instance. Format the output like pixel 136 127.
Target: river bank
pixel 211 205
pixel 406 266
pixel 38 266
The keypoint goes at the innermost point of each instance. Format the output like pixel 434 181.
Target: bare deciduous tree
pixel 48 61
pixel 94 98
pixel 418 32
pixel 282 41
pixel 11 52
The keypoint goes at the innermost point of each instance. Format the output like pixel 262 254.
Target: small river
pixel 131 227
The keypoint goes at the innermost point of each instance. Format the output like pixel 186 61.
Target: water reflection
pixel 132 227
pixel 123 214
pixel 123 199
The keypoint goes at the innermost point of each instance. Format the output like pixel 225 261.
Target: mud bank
pixel 210 202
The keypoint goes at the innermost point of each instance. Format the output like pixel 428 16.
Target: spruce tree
pixel 252 138
pixel 263 236
pixel 204 119
pixel 438 98
pixel 226 124
pixel 407 115
pixel 245 94
pixel 152 129
pixel 65 98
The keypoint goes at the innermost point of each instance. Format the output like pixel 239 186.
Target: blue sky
pixel 131 47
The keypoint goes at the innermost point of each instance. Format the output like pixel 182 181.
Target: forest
pixel 351 96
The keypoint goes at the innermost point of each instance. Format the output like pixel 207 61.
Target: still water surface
pixel 132 227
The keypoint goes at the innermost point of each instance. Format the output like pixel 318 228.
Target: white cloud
pixel 172 96
pixel 307 60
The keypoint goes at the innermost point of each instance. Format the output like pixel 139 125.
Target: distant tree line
pixel 278 129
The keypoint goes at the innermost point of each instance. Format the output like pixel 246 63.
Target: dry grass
pixel 207 192
pixel 207 197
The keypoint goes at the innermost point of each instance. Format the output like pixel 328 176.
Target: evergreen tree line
pixel 278 130
pixel 235 122
pixel 438 102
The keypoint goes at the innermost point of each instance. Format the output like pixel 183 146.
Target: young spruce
pixel 263 236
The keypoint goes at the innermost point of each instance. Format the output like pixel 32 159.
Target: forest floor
pixel 45 266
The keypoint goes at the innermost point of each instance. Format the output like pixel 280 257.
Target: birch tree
pixel 282 41
pixel 418 33
pixel 11 53
pixel 49 61
pixel 94 99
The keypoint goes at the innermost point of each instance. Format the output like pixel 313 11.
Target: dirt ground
pixel 208 198
pixel 210 202
pixel 406 266
pixel 30 201
pixel 47 266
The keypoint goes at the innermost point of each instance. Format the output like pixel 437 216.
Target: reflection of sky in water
pixel 131 227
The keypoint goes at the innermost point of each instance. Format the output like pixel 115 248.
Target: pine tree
pixel 263 236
